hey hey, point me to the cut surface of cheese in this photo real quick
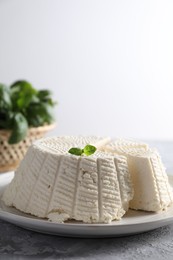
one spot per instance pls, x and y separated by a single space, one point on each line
51 183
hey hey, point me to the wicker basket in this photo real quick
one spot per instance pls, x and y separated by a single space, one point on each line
11 155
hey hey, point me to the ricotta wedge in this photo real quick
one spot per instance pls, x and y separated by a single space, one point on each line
152 191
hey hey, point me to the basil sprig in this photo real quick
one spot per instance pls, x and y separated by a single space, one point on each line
87 150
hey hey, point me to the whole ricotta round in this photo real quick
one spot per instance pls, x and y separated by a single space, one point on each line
51 183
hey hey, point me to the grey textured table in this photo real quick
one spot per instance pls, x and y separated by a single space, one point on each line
17 243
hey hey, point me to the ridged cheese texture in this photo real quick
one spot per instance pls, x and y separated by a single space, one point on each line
51 183
152 191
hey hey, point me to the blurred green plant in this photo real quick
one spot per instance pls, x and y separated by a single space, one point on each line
23 106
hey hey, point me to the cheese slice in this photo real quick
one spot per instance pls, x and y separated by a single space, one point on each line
51 183
152 191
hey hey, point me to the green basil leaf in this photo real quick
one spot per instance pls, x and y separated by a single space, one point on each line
48 113
6 117
35 115
22 94
5 100
20 128
34 100
89 149
76 151
3 120
44 94
39 113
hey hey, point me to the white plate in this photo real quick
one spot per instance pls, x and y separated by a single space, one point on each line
132 223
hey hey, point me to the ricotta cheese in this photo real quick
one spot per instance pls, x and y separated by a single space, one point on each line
51 183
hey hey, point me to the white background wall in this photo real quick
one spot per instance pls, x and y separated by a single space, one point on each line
108 62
